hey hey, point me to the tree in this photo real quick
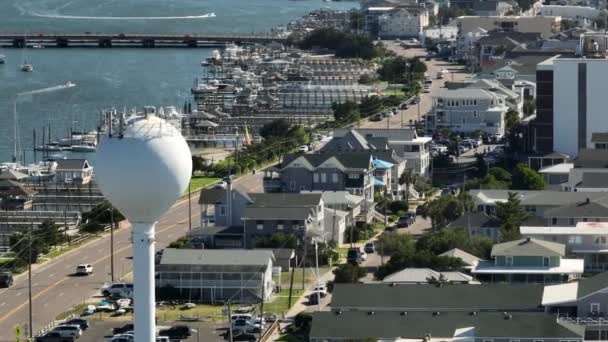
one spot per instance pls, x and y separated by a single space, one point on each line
443 210
457 237
348 273
50 232
278 240
511 215
529 105
198 164
20 245
346 112
392 243
407 177
482 165
419 259
525 178
511 119
344 44
500 174
275 128
301 135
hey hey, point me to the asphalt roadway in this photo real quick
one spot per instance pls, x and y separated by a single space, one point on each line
56 290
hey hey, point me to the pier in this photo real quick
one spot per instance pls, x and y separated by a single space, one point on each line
138 40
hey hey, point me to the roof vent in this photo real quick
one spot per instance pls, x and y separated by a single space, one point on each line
509 317
403 313
528 239
474 313
370 313
588 200
436 313
339 312
393 284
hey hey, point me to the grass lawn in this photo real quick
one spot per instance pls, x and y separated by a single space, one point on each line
394 91
197 183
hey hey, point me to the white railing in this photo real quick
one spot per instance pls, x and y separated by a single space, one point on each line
585 320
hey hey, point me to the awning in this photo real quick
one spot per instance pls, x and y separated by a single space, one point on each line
378 182
381 164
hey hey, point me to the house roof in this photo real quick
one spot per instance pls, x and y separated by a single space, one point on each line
276 213
9 187
12 175
592 158
422 275
216 257
594 180
468 259
338 197
593 284
396 134
475 220
588 207
467 93
529 197
416 297
581 228
599 137
562 168
350 160
359 325
278 200
494 86
571 292
71 164
280 253
529 247
211 195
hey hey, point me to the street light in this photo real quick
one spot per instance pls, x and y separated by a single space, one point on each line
32 92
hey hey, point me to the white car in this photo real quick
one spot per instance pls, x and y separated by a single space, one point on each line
363 256
68 330
321 289
304 148
117 289
84 269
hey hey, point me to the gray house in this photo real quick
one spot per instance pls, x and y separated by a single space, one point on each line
529 260
243 276
584 298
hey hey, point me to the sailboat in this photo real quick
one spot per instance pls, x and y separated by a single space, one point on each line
2 59
26 67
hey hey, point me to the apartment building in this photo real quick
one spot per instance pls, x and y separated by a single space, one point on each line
403 22
546 26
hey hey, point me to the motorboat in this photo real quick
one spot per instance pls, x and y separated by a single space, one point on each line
70 84
37 46
52 147
26 67
84 148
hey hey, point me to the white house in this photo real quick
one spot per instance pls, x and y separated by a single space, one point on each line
403 22
73 171
467 110
569 12
442 33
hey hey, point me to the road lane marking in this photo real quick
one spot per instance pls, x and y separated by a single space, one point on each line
18 294
60 294
51 275
2 304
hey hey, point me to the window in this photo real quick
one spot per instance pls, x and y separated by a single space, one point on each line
595 308
334 177
571 221
315 177
509 260
292 185
554 221
323 178
353 176
488 340
514 340
575 240
546 262
537 341
259 225
584 219
600 240
280 225
222 210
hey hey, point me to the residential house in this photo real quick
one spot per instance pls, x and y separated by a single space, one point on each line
73 171
467 110
285 258
599 141
586 298
382 174
425 276
15 196
438 34
589 209
590 169
440 326
570 12
479 224
469 260
403 22
343 201
14 175
215 276
328 171
556 175
587 241
492 8
529 261
404 141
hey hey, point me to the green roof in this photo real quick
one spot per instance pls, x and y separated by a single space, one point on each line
529 247
416 325
423 297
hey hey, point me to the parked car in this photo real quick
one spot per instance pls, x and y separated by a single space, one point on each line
6 279
404 222
84 269
241 336
117 289
123 329
321 288
427 58
177 332
353 256
404 105
53 336
390 229
369 247
68 330
303 148
122 338
376 117
83 323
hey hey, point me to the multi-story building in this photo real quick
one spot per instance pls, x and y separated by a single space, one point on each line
546 26
467 110
587 241
403 22
492 8
570 94
405 143
529 261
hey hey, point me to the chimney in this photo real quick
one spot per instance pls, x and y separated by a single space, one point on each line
229 200
587 200
528 239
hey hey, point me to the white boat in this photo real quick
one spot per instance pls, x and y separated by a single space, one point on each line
26 67
2 59
37 46
84 148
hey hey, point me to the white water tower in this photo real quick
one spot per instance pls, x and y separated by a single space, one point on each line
143 167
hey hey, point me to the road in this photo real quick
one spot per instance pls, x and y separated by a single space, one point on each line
408 116
55 290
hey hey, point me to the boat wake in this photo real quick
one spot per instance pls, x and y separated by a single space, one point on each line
61 16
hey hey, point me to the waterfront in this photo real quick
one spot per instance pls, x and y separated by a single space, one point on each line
116 77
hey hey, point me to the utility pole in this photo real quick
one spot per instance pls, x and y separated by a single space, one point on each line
112 243
304 264
29 281
229 322
317 270
261 305
293 272
189 209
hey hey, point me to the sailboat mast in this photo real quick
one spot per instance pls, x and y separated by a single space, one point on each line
15 131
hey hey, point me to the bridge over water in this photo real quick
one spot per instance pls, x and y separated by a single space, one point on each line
147 40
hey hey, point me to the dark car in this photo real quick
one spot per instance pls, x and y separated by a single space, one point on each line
427 58
390 229
6 279
177 332
370 247
54 336
83 323
353 256
123 329
404 222
376 117
404 106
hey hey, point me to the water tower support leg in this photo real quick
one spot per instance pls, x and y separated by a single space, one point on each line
143 276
